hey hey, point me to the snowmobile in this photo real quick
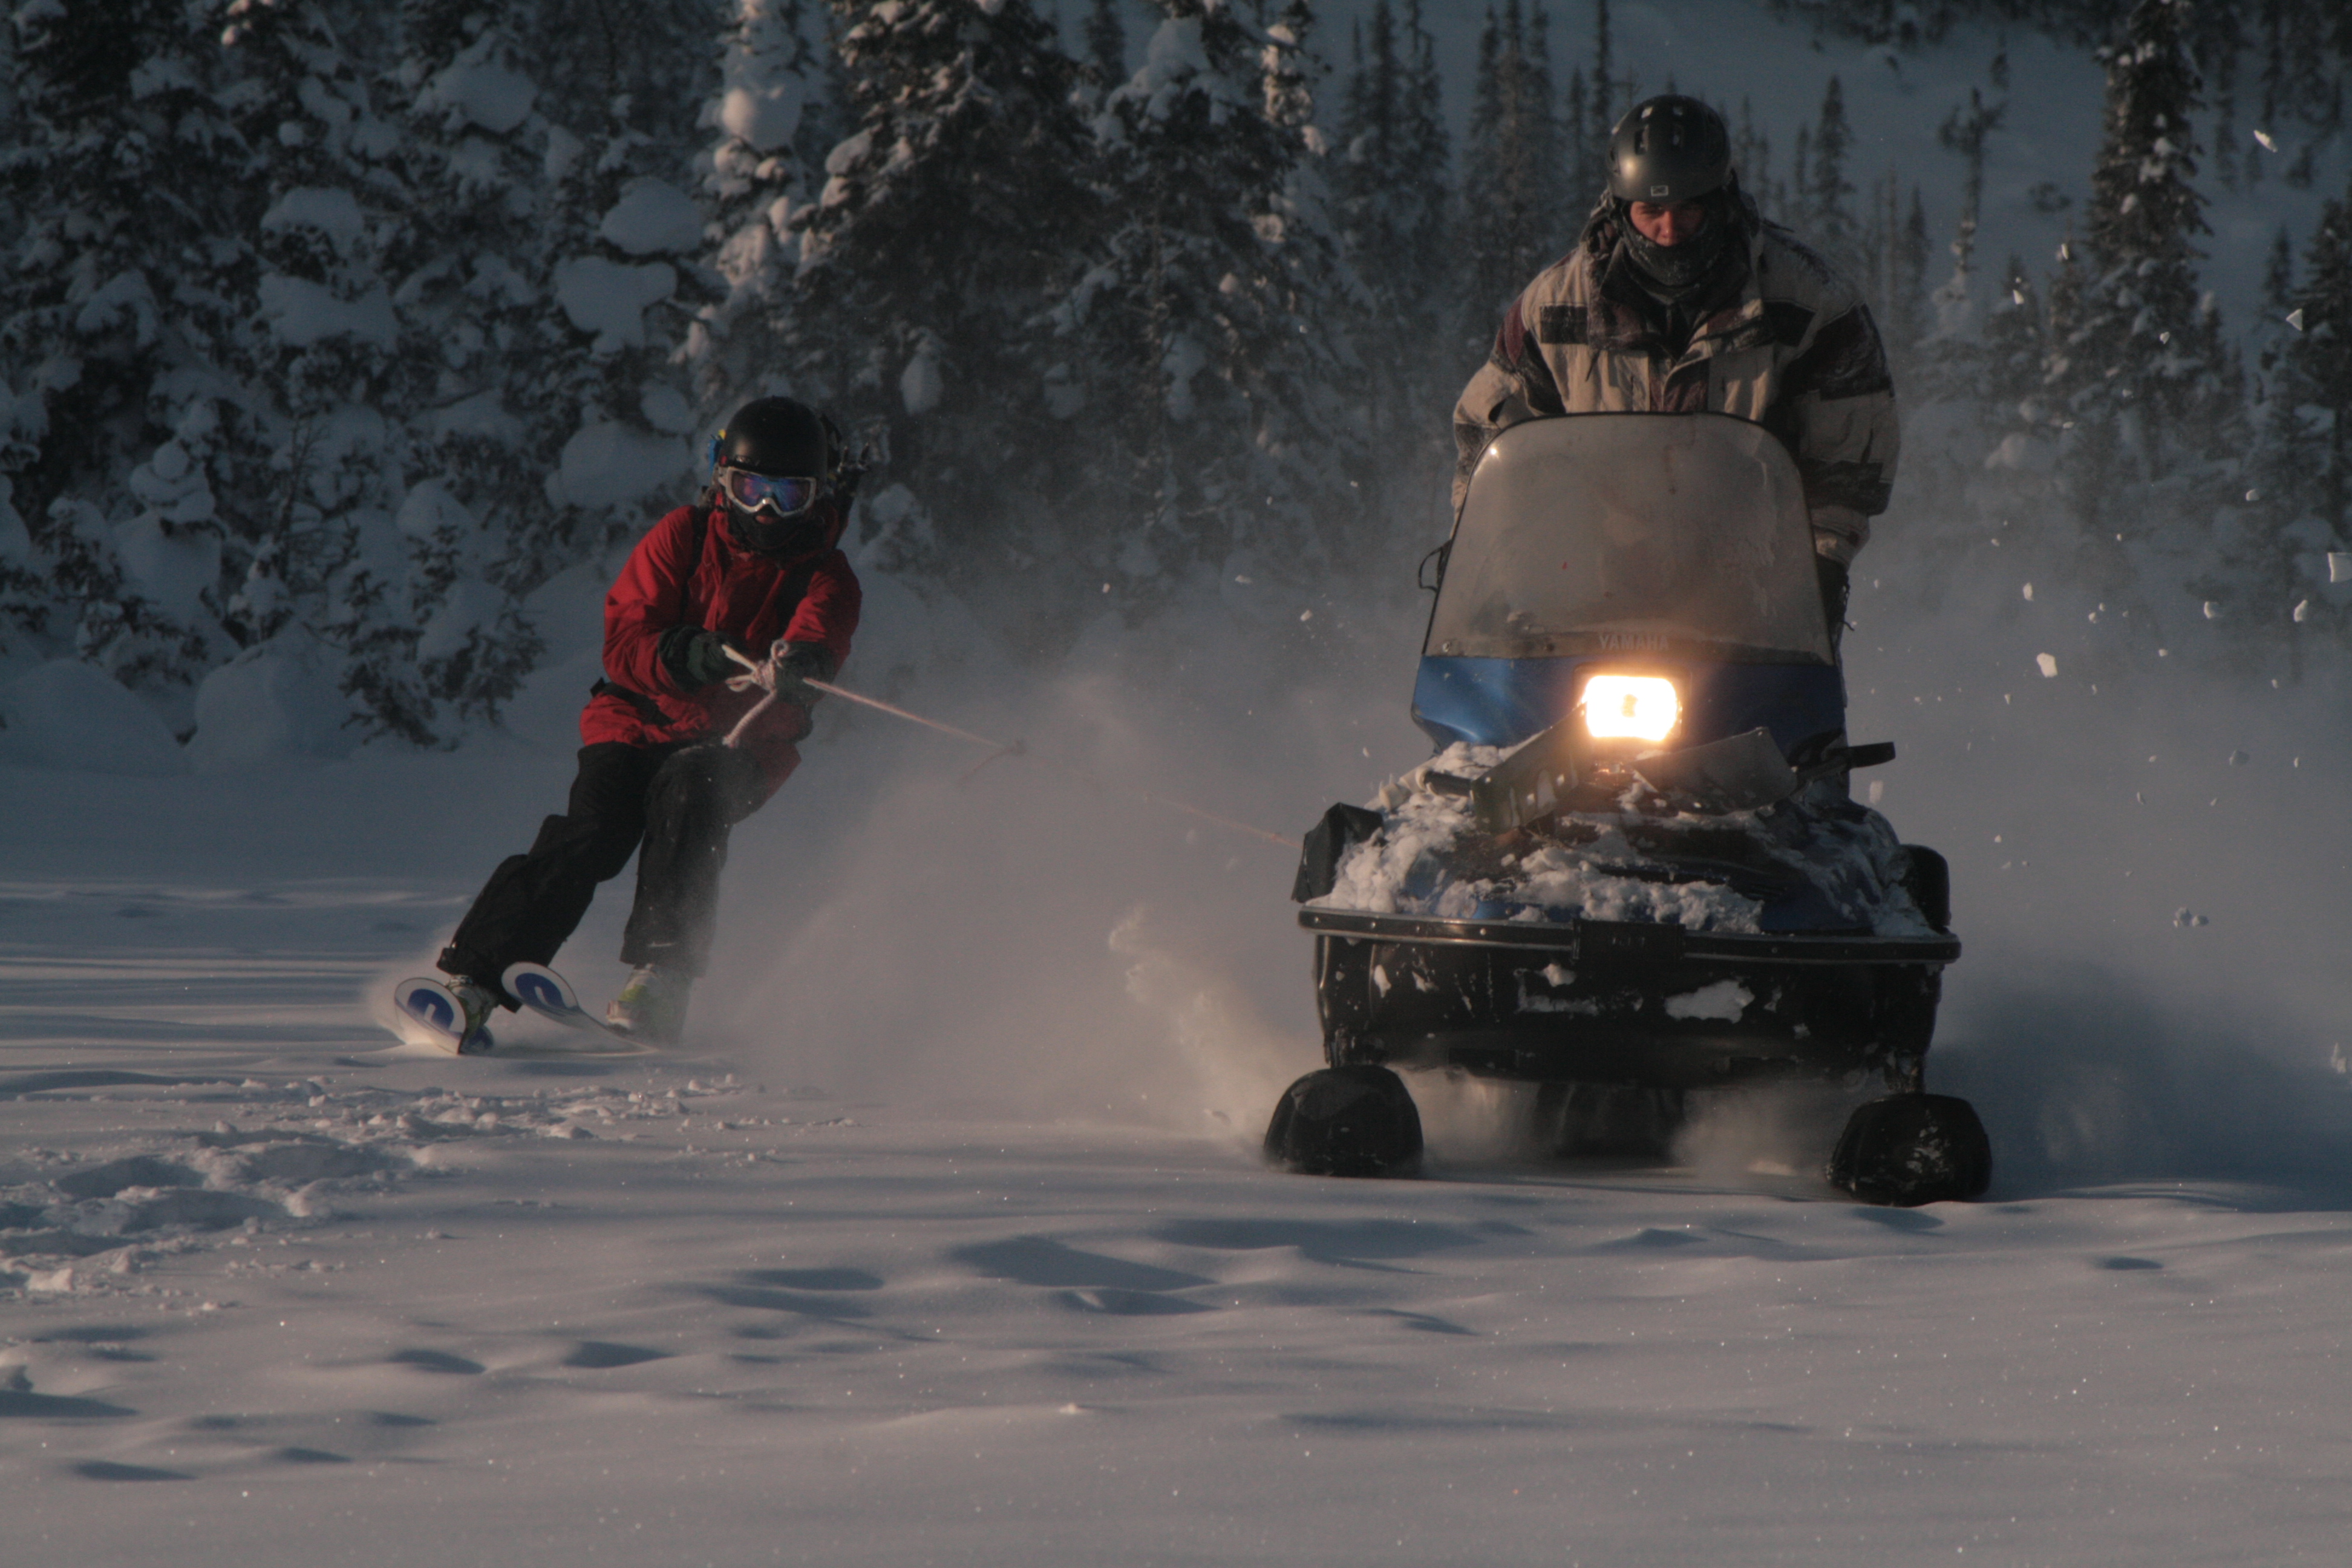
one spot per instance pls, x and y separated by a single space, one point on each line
1635 869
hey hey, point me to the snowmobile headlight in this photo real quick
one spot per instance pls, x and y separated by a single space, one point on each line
1631 708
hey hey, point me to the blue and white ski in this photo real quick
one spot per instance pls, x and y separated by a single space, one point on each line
435 1017
551 996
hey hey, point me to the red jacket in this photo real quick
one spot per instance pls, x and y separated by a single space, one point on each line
747 599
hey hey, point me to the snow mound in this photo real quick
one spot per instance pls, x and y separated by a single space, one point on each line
653 217
608 464
271 703
610 300
73 716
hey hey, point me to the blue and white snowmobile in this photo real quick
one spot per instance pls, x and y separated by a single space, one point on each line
1635 869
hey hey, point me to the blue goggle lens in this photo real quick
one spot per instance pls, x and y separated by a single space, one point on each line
757 492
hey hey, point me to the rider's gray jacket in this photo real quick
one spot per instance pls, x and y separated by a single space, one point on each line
1779 338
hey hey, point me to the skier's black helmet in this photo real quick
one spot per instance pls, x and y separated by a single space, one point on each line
1669 149
777 464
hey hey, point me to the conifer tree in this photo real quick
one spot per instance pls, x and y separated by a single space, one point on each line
1515 213
1106 44
1603 105
2145 351
1220 389
1830 218
951 223
120 267
1389 183
769 75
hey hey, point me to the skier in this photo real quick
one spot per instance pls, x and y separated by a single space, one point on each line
1679 298
742 594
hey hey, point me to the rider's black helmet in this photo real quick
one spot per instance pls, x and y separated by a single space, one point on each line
1669 149
776 438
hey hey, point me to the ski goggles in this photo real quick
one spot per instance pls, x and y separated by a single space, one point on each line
764 492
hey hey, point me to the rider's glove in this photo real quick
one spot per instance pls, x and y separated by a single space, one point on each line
797 663
695 657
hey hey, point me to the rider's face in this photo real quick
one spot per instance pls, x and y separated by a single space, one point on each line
1668 226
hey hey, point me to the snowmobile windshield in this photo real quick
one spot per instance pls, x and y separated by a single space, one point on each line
1667 534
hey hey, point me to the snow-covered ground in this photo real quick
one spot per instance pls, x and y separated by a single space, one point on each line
946 1240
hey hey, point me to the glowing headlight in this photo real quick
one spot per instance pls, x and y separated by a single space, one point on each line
1631 708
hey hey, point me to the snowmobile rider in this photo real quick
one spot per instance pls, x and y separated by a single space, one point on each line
669 762
1680 298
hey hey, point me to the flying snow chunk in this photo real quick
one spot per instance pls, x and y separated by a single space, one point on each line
2186 918
653 217
2269 143
2294 318
2029 592
921 384
2047 663
1722 1002
2339 566
2213 610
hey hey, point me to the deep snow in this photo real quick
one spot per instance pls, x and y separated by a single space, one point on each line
946 1240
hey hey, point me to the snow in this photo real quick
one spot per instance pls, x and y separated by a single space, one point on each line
959 1249
945 1239
483 93
332 212
68 715
270 704
301 313
653 217
608 464
610 300
168 569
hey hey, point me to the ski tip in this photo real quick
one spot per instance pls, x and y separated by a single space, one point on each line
541 988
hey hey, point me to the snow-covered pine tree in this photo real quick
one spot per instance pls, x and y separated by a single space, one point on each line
1601 109
755 177
954 219
1106 44
1830 216
2145 355
312 539
1388 179
1964 132
1514 206
2304 466
119 283
1226 402
625 83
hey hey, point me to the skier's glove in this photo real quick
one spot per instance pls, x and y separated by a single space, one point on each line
798 663
695 657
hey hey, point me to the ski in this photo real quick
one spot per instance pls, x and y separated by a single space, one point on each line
551 996
437 1018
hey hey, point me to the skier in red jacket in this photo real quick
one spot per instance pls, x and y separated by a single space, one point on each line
669 764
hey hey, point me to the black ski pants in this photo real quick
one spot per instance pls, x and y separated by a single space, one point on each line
673 806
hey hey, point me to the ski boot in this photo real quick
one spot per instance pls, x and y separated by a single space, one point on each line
479 1002
651 1005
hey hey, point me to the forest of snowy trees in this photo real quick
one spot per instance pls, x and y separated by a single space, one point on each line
332 328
